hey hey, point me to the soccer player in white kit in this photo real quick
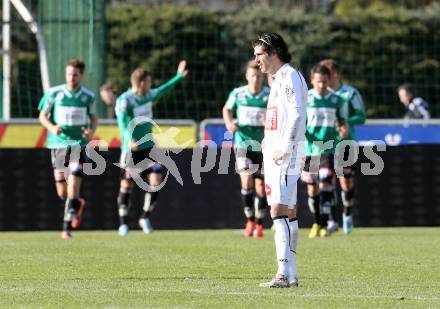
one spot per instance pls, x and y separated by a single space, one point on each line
283 150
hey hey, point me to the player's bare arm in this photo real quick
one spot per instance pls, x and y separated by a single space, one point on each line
90 131
45 121
230 124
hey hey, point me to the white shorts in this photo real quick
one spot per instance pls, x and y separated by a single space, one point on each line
281 180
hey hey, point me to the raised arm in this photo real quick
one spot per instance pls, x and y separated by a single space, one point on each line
182 72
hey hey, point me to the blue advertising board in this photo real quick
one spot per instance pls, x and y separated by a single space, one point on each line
393 133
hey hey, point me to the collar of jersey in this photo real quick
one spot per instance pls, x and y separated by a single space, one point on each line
140 97
321 97
280 69
257 95
71 94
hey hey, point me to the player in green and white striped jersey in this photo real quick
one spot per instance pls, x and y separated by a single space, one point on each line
323 112
354 112
249 103
133 104
68 113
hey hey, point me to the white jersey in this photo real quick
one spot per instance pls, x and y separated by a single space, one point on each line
285 124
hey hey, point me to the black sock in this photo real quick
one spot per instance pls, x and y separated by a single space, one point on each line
71 207
146 214
333 212
314 204
66 225
123 204
122 218
247 197
347 201
260 208
326 200
149 204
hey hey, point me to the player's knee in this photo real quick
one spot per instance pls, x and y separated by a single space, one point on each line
242 165
76 169
325 175
62 195
291 213
157 168
156 175
127 184
278 211
348 172
309 178
246 181
59 176
312 189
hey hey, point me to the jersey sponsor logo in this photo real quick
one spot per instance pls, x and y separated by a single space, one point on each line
71 115
143 110
271 118
321 117
290 94
251 116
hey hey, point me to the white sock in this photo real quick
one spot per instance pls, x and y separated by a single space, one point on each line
293 225
282 235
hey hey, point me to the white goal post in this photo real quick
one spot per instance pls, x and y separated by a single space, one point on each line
6 46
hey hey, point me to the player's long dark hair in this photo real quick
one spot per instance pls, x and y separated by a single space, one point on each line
273 42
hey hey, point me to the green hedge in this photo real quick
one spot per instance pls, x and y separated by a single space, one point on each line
376 52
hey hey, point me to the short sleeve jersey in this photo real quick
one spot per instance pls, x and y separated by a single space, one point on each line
250 110
353 109
135 113
71 110
322 113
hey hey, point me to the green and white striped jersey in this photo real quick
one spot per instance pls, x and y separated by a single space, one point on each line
71 110
322 113
353 109
250 110
129 106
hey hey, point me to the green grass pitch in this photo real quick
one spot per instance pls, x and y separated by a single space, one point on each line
372 268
